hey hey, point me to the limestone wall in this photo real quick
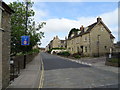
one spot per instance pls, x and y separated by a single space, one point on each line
5 48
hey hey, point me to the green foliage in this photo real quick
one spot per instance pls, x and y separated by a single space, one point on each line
29 52
65 53
114 60
18 27
72 30
76 55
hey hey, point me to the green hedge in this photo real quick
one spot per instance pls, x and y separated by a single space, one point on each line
65 53
30 52
114 60
76 55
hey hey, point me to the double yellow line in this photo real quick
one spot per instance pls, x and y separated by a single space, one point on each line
42 75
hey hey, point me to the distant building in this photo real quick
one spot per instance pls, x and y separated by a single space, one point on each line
56 43
35 47
5 12
117 47
93 40
42 49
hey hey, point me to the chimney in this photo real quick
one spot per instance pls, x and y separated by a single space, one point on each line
82 28
56 37
65 38
99 19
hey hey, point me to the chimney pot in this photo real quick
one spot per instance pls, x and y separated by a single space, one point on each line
81 28
99 19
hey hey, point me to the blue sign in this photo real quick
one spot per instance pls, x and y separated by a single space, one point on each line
25 40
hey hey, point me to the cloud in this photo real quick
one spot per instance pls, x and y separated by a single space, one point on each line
8 1
111 18
39 14
75 0
62 26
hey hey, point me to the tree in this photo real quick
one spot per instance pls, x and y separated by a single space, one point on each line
18 27
73 30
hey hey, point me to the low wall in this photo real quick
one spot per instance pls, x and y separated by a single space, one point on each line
19 60
112 64
19 64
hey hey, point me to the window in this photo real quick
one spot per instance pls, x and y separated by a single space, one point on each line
85 49
101 28
78 49
85 39
105 47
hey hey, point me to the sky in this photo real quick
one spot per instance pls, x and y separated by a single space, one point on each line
62 16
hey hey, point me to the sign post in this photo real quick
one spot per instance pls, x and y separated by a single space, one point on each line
25 40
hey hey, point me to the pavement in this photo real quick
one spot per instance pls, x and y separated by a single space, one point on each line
30 76
65 73
98 62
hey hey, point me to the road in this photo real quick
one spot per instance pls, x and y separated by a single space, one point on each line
61 73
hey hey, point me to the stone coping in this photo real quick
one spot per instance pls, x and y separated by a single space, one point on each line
1 29
1 8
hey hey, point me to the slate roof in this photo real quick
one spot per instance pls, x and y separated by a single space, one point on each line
7 8
90 27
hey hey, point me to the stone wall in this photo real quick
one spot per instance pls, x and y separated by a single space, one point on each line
5 48
105 42
0 58
0 48
20 60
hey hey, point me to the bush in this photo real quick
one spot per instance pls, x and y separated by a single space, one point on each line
76 55
114 60
65 53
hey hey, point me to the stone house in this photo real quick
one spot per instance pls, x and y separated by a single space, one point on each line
117 47
5 12
93 40
56 43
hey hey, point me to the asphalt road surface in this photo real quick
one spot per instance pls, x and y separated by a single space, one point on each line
61 73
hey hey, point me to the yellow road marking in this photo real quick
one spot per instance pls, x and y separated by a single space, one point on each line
42 75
